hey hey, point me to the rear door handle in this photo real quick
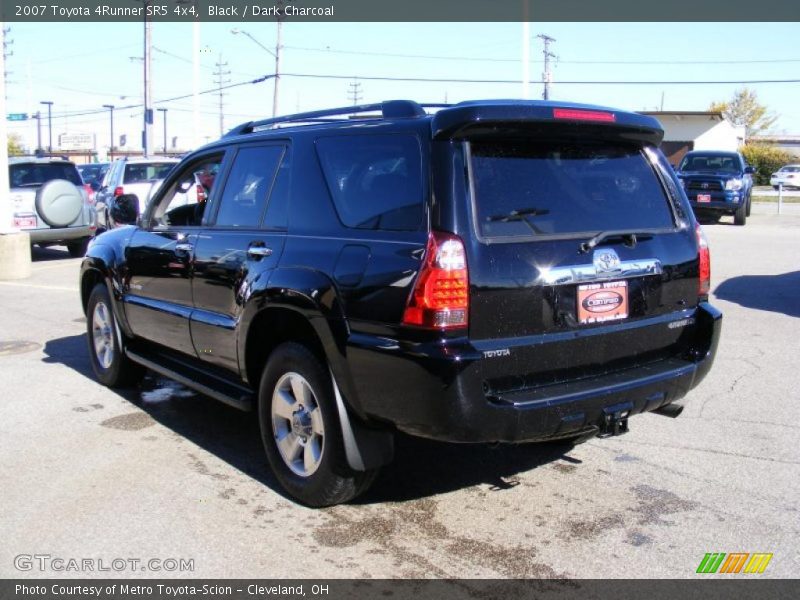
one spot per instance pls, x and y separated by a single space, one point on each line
259 251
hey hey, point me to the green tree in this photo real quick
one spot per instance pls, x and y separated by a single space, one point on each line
766 159
745 109
15 147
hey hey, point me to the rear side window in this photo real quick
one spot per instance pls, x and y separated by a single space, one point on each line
248 186
555 188
375 180
135 173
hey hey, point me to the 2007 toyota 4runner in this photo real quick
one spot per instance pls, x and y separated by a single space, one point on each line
494 271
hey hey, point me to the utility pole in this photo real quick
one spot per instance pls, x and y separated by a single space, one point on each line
547 76
147 133
279 22
220 81
164 110
110 107
354 93
526 51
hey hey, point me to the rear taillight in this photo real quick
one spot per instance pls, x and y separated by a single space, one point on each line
704 285
118 191
440 299
89 193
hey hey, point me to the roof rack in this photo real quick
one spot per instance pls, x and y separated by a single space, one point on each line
390 109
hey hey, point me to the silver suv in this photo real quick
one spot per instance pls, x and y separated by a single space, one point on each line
49 201
138 176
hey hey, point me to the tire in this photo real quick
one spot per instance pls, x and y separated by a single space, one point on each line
301 432
749 206
740 216
78 249
109 363
775 187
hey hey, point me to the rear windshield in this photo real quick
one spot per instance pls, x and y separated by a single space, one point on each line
555 188
92 173
696 162
33 174
146 171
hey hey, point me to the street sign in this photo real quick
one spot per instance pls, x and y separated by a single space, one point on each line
17 116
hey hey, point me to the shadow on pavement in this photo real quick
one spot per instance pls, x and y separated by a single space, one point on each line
421 467
775 293
50 253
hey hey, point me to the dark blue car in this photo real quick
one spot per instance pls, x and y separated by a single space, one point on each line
717 183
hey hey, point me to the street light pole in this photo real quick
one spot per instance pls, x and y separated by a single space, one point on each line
276 54
38 117
49 124
164 110
110 107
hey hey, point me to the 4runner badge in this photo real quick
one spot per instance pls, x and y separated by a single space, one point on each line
605 260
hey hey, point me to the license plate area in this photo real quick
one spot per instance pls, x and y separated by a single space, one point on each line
600 302
704 197
25 221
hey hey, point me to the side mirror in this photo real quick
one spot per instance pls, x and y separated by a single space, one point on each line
125 209
748 170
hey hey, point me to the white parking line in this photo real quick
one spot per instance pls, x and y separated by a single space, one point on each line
41 287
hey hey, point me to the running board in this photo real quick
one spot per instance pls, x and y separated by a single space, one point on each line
201 381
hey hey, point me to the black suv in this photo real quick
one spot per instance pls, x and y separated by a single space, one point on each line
495 271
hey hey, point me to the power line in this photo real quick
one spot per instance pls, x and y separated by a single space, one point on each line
328 50
516 81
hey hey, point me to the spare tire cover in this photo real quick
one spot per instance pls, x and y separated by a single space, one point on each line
59 202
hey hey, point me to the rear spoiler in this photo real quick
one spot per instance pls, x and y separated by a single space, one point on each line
515 118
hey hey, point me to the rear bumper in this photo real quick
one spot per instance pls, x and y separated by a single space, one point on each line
439 392
61 234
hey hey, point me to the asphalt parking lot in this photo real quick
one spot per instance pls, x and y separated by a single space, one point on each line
160 472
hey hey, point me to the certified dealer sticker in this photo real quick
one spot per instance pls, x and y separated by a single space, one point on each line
598 302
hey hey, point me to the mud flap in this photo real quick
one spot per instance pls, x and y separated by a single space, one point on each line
365 448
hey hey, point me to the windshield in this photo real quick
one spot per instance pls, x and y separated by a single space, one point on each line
33 174
139 172
713 162
791 169
543 188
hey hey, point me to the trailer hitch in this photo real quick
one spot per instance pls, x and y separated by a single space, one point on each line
615 420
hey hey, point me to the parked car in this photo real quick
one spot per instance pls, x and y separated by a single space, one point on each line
93 174
497 271
48 201
137 176
787 176
717 184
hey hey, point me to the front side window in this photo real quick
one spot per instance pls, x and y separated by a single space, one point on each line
185 202
375 180
544 188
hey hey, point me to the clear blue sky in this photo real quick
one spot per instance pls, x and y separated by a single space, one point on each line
82 66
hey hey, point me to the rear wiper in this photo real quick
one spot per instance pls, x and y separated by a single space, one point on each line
629 237
521 214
